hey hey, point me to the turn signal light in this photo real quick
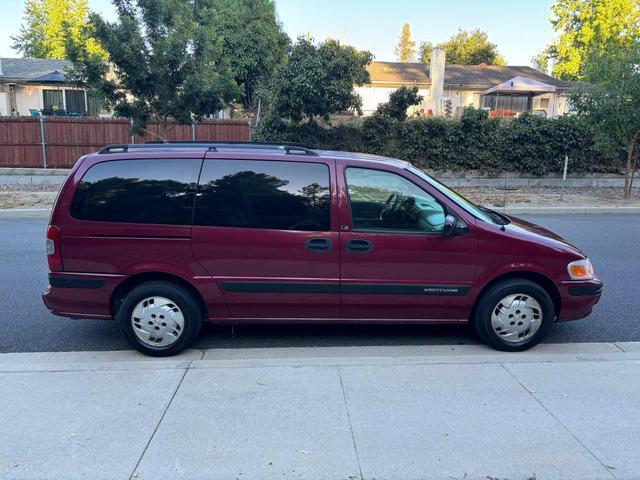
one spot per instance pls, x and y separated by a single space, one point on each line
580 270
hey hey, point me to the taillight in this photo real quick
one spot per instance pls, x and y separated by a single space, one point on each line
53 248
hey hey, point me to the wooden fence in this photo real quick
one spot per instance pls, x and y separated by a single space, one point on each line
66 139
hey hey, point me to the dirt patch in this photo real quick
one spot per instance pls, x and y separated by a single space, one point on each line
42 196
550 196
27 199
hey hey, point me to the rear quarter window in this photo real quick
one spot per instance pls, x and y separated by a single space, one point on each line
157 191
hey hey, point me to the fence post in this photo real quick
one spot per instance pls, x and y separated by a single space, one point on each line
133 139
193 131
42 140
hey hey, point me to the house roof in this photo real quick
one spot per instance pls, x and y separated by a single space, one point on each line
53 77
521 85
469 76
25 69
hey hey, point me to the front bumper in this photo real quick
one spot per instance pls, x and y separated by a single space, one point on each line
578 298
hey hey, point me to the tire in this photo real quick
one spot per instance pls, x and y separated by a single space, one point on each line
166 314
506 309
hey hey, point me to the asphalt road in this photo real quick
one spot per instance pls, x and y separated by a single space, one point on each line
612 242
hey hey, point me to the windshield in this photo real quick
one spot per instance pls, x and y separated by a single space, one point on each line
477 211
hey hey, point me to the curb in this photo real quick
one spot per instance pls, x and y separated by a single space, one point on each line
55 176
318 356
25 212
567 210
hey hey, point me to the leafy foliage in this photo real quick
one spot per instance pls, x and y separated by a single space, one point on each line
317 81
399 102
527 144
610 103
406 48
253 42
591 27
164 62
49 25
541 62
465 48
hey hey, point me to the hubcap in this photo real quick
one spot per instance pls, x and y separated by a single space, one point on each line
157 321
516 317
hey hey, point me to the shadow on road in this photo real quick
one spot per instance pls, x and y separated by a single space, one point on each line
263 336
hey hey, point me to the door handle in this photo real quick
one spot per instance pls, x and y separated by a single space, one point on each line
318 244
361 246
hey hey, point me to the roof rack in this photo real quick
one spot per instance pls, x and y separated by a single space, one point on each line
289 149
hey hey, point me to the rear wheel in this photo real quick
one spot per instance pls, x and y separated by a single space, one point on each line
160 318
514 315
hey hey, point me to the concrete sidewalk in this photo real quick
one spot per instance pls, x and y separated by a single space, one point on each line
566 411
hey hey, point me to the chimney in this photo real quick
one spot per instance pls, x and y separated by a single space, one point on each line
436 74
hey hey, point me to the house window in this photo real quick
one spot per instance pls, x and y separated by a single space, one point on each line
52 99
75 101
94 105
514 103
544 103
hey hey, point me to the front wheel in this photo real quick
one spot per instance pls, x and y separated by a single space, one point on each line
159 318
514 315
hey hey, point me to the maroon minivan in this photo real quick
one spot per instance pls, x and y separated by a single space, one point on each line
162 237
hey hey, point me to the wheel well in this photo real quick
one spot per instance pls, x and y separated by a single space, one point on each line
542 280
134 280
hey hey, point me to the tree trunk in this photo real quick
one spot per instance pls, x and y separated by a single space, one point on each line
631 165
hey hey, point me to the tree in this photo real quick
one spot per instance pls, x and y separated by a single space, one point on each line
610 102
253 41
399 102
318 80
406 48
424 52
590 27
541 62
49 25
466 48
163 62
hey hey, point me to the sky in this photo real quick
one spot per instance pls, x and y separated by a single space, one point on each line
520 28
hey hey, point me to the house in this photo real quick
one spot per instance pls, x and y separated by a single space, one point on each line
447 89
32 85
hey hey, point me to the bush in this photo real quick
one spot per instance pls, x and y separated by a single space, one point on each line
526 144
399 102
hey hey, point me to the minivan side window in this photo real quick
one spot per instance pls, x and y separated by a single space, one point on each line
138 191
264 194
383 200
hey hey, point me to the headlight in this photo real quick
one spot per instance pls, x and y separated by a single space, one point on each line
580 270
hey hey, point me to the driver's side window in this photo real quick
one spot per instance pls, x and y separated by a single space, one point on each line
386 201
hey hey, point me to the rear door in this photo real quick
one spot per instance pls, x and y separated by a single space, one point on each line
396 263
266 229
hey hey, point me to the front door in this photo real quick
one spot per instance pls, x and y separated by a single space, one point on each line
396 262
266 230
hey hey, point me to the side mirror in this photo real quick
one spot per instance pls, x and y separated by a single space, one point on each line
454 227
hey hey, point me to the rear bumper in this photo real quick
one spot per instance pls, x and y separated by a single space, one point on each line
579 298
78 295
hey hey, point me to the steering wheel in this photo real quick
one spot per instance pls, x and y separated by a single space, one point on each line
389 206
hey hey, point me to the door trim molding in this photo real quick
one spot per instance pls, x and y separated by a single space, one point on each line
345 288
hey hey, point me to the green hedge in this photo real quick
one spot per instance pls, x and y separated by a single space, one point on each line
527 144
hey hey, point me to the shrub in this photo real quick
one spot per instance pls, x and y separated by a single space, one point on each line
526 144
399 102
